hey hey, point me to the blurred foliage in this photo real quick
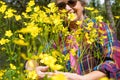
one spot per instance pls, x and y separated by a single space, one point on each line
115 9
116 13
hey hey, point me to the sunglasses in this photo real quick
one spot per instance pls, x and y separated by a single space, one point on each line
71 3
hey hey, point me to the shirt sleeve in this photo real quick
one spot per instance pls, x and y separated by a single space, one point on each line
111 50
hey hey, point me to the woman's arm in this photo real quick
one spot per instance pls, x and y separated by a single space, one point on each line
94 75
111 53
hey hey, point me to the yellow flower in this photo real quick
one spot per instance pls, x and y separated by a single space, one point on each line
4 41
87 36
21 36
35 31
59 77
24 56
79 22
55 53
41 55
95 11
56 20
89 39
34 17
99 18
12 66
9 13
89 8
36 8
63 11
31 3
92 40
28 9
31 28
69 41
65 31
89 42
101 31
78 31
20 42
1 74
17 17
104 78
73 52
8 33
35 57
32 75
117 17
3 8
52 7
102 38
25 15
71 16
90 24
2 2
48 60
67 57
56 67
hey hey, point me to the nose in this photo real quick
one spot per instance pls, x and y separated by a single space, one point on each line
69 9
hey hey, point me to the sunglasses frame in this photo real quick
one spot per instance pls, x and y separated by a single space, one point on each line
71 3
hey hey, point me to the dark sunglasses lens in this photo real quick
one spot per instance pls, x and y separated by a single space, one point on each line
61 5
72 3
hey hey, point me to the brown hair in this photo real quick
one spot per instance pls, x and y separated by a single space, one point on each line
84 2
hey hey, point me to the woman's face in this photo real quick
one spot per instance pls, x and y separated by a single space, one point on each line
72 6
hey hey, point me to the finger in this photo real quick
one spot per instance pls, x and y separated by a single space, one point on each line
42 68
40 74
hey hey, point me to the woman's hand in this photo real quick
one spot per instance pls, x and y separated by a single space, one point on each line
94 75
41 71
68 75
33 65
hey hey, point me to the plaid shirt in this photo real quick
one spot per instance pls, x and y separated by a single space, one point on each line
111 52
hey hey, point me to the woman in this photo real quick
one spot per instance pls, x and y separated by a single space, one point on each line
108 68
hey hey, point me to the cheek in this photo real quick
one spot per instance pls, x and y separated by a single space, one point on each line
78 7
78 13
78 10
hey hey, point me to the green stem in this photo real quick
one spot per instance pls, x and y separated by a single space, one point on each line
19 51
83 52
